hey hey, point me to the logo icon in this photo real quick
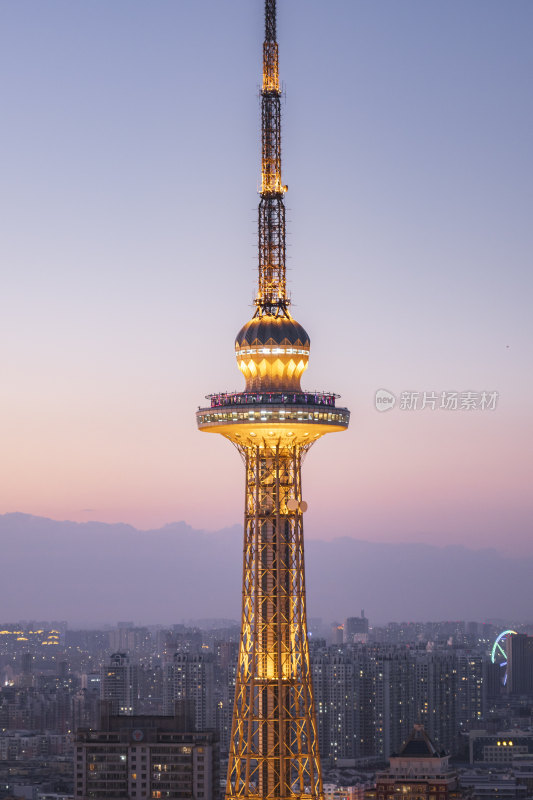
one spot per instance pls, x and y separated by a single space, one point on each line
384 400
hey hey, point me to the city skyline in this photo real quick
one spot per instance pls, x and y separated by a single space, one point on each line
130 185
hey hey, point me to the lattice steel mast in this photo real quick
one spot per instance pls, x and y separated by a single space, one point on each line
272 294
274 747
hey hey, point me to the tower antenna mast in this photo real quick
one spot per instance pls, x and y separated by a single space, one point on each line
272 291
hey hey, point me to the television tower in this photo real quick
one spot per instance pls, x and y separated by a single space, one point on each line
274 746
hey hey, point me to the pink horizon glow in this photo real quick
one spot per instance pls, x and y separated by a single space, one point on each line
129 253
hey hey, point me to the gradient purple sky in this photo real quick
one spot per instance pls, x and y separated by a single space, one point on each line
130 142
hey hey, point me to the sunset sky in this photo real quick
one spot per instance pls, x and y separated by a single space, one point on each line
130 166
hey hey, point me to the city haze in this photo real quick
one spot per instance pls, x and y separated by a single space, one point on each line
94 573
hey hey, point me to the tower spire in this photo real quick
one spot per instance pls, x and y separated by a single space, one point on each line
272 291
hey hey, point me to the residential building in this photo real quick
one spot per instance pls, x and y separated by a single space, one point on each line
140 757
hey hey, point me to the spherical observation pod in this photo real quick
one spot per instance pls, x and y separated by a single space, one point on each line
272 352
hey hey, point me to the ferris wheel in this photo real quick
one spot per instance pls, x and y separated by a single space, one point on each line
500 648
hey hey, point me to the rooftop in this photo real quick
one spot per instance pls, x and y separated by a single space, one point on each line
419 745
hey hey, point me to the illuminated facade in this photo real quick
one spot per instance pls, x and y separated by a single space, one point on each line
418 772
145 757
273 423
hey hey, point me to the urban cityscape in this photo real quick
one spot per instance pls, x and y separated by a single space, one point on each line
66 694
125 670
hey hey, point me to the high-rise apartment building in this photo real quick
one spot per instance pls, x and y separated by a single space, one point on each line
190 679
119 683
355 629
520 664
335 697
26 677
226 676
471 688
369 698
127 638
436 696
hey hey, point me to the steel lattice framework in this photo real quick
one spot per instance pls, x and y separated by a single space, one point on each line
274 750
274 744
272 294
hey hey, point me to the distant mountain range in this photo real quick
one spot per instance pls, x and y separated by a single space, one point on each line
91 573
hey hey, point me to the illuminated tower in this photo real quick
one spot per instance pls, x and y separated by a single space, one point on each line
274 747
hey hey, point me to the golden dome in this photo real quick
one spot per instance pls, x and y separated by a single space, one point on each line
272 353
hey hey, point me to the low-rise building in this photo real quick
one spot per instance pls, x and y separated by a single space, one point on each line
499 748
418 772
332 791
484 785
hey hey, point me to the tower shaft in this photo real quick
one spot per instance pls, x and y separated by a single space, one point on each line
272 292
274 747
273 422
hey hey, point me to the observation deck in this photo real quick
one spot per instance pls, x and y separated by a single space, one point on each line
248 418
